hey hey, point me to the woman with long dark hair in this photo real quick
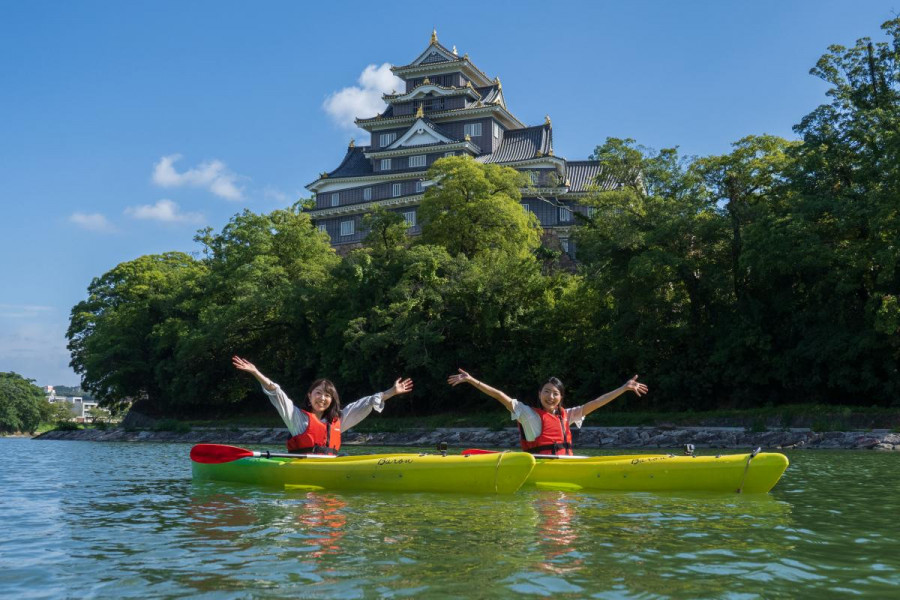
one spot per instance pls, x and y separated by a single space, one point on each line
545 429
316 428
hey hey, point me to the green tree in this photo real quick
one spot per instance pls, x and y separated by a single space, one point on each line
114 335
259 297
845 271
22 404
386 231
657 251
750 183
473 208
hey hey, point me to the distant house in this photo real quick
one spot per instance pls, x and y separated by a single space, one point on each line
80 408
449 107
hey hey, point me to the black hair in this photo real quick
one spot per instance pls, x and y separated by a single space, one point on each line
334 409
558 385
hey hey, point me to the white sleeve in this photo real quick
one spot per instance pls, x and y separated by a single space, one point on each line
527 418
355 412
295 420
576 416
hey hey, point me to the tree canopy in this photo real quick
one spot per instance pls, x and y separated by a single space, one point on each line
22 404
768 274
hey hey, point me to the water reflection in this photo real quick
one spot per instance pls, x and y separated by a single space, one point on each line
555 514
125 521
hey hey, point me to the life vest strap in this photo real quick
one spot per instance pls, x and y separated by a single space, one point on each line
555 447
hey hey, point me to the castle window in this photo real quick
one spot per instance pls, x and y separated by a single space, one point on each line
534 175
397 190
386 139
385 164
564 214
527 208
592 211
417 161
410 218
367 193
564 242
496 131
321 227
348 228
420 187
434 104
446 154
472 129
335 199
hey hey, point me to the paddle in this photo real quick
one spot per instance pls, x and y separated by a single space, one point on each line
220 453
472 451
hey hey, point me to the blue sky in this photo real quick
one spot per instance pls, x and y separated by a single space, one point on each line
126 126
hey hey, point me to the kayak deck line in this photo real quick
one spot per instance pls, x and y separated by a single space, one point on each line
503 473
757 472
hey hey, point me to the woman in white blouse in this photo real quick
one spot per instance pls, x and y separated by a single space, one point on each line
545 429
316 428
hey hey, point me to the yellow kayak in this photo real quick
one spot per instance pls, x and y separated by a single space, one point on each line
501 473
757 472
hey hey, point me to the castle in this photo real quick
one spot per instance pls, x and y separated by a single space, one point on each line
449 107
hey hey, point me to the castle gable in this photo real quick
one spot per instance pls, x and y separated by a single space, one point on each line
422 133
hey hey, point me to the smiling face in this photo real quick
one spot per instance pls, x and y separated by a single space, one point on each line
551 396
319 399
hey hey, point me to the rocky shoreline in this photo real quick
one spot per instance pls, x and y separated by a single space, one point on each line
587 437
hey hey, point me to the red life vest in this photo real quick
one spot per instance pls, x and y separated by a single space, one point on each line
319 438
555 437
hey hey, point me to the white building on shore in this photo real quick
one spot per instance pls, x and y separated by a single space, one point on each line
80 408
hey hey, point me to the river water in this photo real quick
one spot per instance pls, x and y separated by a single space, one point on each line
93 520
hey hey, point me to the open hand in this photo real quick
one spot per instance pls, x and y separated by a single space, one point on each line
243 365
461 377
638 388
402 386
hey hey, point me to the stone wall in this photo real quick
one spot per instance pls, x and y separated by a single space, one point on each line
647 438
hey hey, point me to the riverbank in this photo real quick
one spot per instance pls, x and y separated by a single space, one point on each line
466 437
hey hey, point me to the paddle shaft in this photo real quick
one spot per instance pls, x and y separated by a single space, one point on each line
221 453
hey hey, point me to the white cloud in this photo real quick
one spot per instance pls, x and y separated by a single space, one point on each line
165 211
362 101
92 222
23 311
273 193
212 175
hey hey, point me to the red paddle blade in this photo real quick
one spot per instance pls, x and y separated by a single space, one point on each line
217 453
477 451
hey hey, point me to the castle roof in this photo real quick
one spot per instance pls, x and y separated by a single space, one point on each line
355 164
522 144
585 175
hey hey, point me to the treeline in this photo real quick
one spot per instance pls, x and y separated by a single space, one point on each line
767 275
23 406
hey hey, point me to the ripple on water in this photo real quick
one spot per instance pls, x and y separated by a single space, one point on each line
125 521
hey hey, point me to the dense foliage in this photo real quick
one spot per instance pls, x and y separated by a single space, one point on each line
767 275
22 404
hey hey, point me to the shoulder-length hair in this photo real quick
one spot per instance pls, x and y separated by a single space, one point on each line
334 409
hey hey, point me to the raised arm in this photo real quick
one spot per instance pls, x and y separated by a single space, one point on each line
401 386
248 367
463 377
631 385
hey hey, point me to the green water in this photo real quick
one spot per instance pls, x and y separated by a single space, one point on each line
88 520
